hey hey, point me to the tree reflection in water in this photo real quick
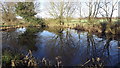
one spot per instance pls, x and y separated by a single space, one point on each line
28 38
74 48
68 45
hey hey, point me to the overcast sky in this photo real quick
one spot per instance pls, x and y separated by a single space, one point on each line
45 3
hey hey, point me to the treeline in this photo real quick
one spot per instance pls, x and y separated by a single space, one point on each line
59 11
91 10
24 9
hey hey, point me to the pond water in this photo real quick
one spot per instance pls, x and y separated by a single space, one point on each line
73 46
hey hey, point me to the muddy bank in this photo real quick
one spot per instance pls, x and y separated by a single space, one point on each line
7 28
102 28
99 28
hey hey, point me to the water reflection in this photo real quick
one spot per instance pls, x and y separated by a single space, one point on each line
21 30
21 39
74 48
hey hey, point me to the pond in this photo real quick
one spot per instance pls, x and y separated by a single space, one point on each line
74 47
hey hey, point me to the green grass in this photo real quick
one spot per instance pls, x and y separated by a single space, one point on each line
4 25
85 20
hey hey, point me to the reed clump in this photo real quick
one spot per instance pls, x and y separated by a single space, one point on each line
30 61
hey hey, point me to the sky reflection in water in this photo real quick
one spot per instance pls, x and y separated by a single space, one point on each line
74 47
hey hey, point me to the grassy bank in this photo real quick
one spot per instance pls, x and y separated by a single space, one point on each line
17 24
99 26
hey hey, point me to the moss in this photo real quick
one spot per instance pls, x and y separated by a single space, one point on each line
9 55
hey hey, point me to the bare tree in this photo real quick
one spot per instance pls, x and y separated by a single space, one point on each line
70 9
107 9
56 10
60 10
8 14
79 8
93 7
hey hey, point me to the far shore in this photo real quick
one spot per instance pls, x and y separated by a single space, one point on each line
93 28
